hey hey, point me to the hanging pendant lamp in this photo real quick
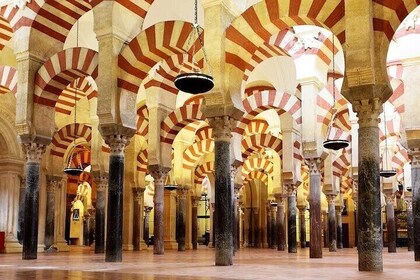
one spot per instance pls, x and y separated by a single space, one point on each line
334 144
195 82
386 173
78 169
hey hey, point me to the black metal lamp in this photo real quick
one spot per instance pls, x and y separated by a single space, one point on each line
195 82
334 144
78 169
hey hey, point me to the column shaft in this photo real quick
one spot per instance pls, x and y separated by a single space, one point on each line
332 227
315 208
339 228
281 236
180 230
30 225
410 220
137 217
370 242
194 222
302 221
273 226
390 225
415 181
291 220
100 217
49 221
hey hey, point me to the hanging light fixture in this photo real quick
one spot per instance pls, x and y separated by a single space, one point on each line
386 173
195 82
78 169
334 144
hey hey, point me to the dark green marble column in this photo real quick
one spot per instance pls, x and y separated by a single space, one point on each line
34 153
223 191
114 226
370 241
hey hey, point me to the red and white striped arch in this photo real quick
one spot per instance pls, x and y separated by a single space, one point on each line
399 159
8 79
342 163
393 128
257 142
83 157
65 102
157 43
256 175
142 161
395 74
255 89
346 184
194 152
256 126
389 14
258 23
202 171
252 164
62 69
65 136
206 132
197 99
270 99
142 120
6 31
179 119
165 74
297 151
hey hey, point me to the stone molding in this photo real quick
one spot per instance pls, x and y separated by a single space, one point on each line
222 127
33 151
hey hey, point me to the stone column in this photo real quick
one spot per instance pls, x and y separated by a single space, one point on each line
339 210
235 224
410 220
273 225
52 185
180 230
268 224
33 153
212 226
324 215
332 227
194 221
159 173
147 210
138 194
281 236
22 190
291 217
415 182
222 127
101 182
302 212
114 226
390 223
370 241
315 207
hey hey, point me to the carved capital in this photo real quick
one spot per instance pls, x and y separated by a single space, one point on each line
33 151
302 210
368 111
182 193
53 183
195 200
331 199
389 198
159 173
314 165
414 155
222 127
409 203
101 180
290 189
117 143
138 194
280 199
147 210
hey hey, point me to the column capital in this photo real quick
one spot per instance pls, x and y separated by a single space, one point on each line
331 199
290 188
414 155
280 199
195 200
222 127
147 210
389 198
314 165
159 173
182 193
33 151
339 209
302 209
117 143
368 111
101 180
138 193
409 203
53 183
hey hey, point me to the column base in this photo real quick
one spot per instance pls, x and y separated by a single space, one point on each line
12 246
143 245
170 245
127 247
62 246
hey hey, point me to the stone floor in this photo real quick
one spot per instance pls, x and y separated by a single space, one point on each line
248 264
